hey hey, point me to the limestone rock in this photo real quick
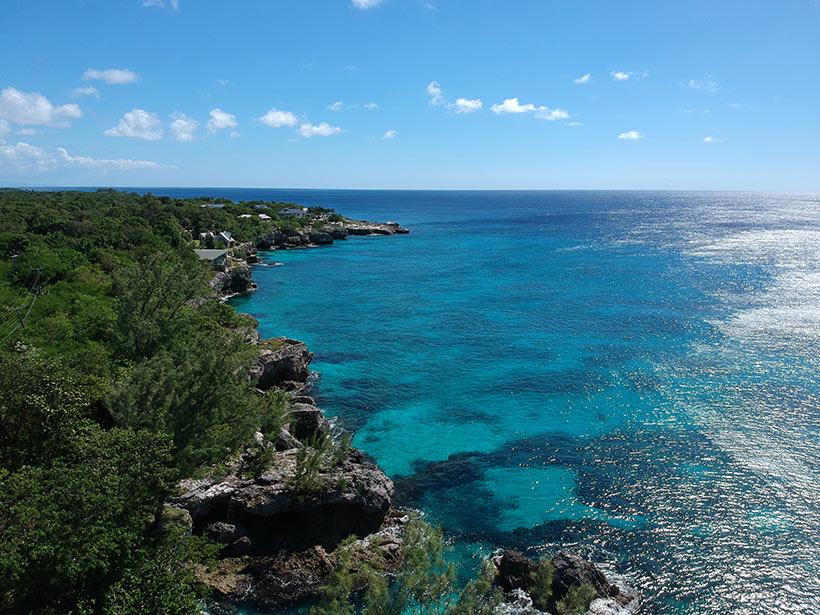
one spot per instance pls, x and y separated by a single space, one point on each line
307 421
320 238
224 531
515 569
235 280
282 362
571 569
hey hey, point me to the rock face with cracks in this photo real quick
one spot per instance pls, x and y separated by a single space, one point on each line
283 363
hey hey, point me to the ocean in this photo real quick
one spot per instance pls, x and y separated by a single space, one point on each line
632 374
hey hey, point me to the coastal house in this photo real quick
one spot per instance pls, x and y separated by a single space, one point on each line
245 216
293 212
218 258
225 239
264 217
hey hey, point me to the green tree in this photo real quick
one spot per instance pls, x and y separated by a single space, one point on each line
576 601
542 579
425 584
67 527
160 580
197 392
153 300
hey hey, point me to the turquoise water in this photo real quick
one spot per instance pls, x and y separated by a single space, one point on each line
632 373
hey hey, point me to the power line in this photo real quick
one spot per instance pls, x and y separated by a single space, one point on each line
21 312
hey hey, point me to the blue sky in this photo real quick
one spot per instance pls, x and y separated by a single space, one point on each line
472 94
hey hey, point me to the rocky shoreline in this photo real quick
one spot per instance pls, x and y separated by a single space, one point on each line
283 508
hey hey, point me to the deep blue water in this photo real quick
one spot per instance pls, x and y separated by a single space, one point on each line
632 373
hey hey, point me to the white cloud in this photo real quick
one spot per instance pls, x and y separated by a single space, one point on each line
737 105
389 135
371 106
511 105
5 128
324 129
161 3
436 98
112 75
220 119
620 76
707 85
583 79
545 113
224 82
575 124
27 132
465 105
18 107
120 164
337 106
276 118
711 139
183 127
26 157
89 91
631 135
139 124
235 134
366 4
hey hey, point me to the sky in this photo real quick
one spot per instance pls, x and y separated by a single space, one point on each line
411 94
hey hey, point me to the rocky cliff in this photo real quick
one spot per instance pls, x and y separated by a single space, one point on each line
283 240
234 281
283 507
282 363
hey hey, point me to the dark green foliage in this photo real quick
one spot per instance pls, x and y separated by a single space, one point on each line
161 580
76 499
309 460
197 392
126 376
542 579
576 601
335 593
152 300
425 583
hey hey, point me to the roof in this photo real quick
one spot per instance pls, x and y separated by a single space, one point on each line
293 210
210 255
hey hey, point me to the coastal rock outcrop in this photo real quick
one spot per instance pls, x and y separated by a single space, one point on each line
516 577
360 227
515 570
283 363
307 421
234 281
280 528
324 235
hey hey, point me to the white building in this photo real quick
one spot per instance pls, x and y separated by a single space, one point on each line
264 217
293 212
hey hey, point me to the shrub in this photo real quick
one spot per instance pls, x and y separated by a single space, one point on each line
576 601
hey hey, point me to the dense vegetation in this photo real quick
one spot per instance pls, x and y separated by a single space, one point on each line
119 374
